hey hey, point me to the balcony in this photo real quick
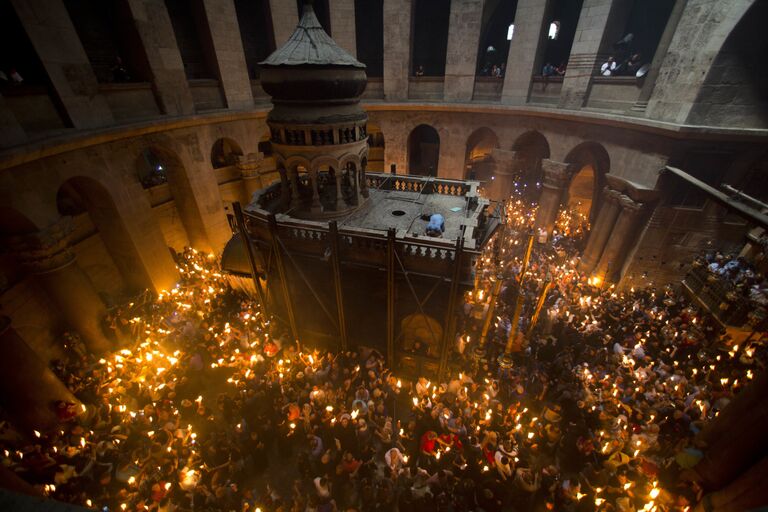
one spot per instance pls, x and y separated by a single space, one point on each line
719 296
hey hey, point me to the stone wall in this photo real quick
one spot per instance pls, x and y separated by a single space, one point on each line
190 209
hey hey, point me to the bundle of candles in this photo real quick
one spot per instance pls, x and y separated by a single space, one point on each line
205 393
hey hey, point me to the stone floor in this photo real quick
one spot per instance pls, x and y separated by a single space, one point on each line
404 210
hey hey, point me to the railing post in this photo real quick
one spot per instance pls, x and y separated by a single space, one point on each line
240 220
390 297
333 238
450 320
283 277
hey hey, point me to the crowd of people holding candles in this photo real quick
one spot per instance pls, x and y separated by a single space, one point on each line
208 406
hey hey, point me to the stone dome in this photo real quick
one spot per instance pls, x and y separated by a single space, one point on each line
311 67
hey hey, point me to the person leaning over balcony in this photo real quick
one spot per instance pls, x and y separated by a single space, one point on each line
608 67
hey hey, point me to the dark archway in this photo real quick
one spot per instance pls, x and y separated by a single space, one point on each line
581 191
591 164
225 152
478 162
531 148
375 149
423 151
167 162
81 195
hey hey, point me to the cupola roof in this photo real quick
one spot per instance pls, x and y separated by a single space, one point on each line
309 45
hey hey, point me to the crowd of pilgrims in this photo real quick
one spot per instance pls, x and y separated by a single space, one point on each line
207 406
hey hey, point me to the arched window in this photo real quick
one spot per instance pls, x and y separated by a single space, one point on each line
423 151
554 29
225 152
151 170
430 37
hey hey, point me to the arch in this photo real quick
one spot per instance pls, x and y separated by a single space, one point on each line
294 162
150 169
225 152
478 161
675 93
531 147
13 223
350 159
327 161
590 165
265 143
85 195
181 190
734 79
423 151
376 148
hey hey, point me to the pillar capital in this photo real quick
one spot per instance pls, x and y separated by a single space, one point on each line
629 207
250 165
45 250
506 160
556 174
611 195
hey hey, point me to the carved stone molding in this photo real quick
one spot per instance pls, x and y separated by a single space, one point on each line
250 165
45 250
556 174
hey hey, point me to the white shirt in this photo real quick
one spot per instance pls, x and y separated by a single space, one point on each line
607 68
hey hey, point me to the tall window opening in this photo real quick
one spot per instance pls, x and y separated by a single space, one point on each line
110 40
498 30
369 35
255 21
430 37
190 27
563 19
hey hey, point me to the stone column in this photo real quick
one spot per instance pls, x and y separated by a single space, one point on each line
600 21
339 194
28 388
285 17
285 188
356 174
506 164
293 176
343 24
250 171
228 49
620 240
58 46
601 230
397 49
524 50
313 177
461 57
556 176
11 132
364 184
46 255
169 80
